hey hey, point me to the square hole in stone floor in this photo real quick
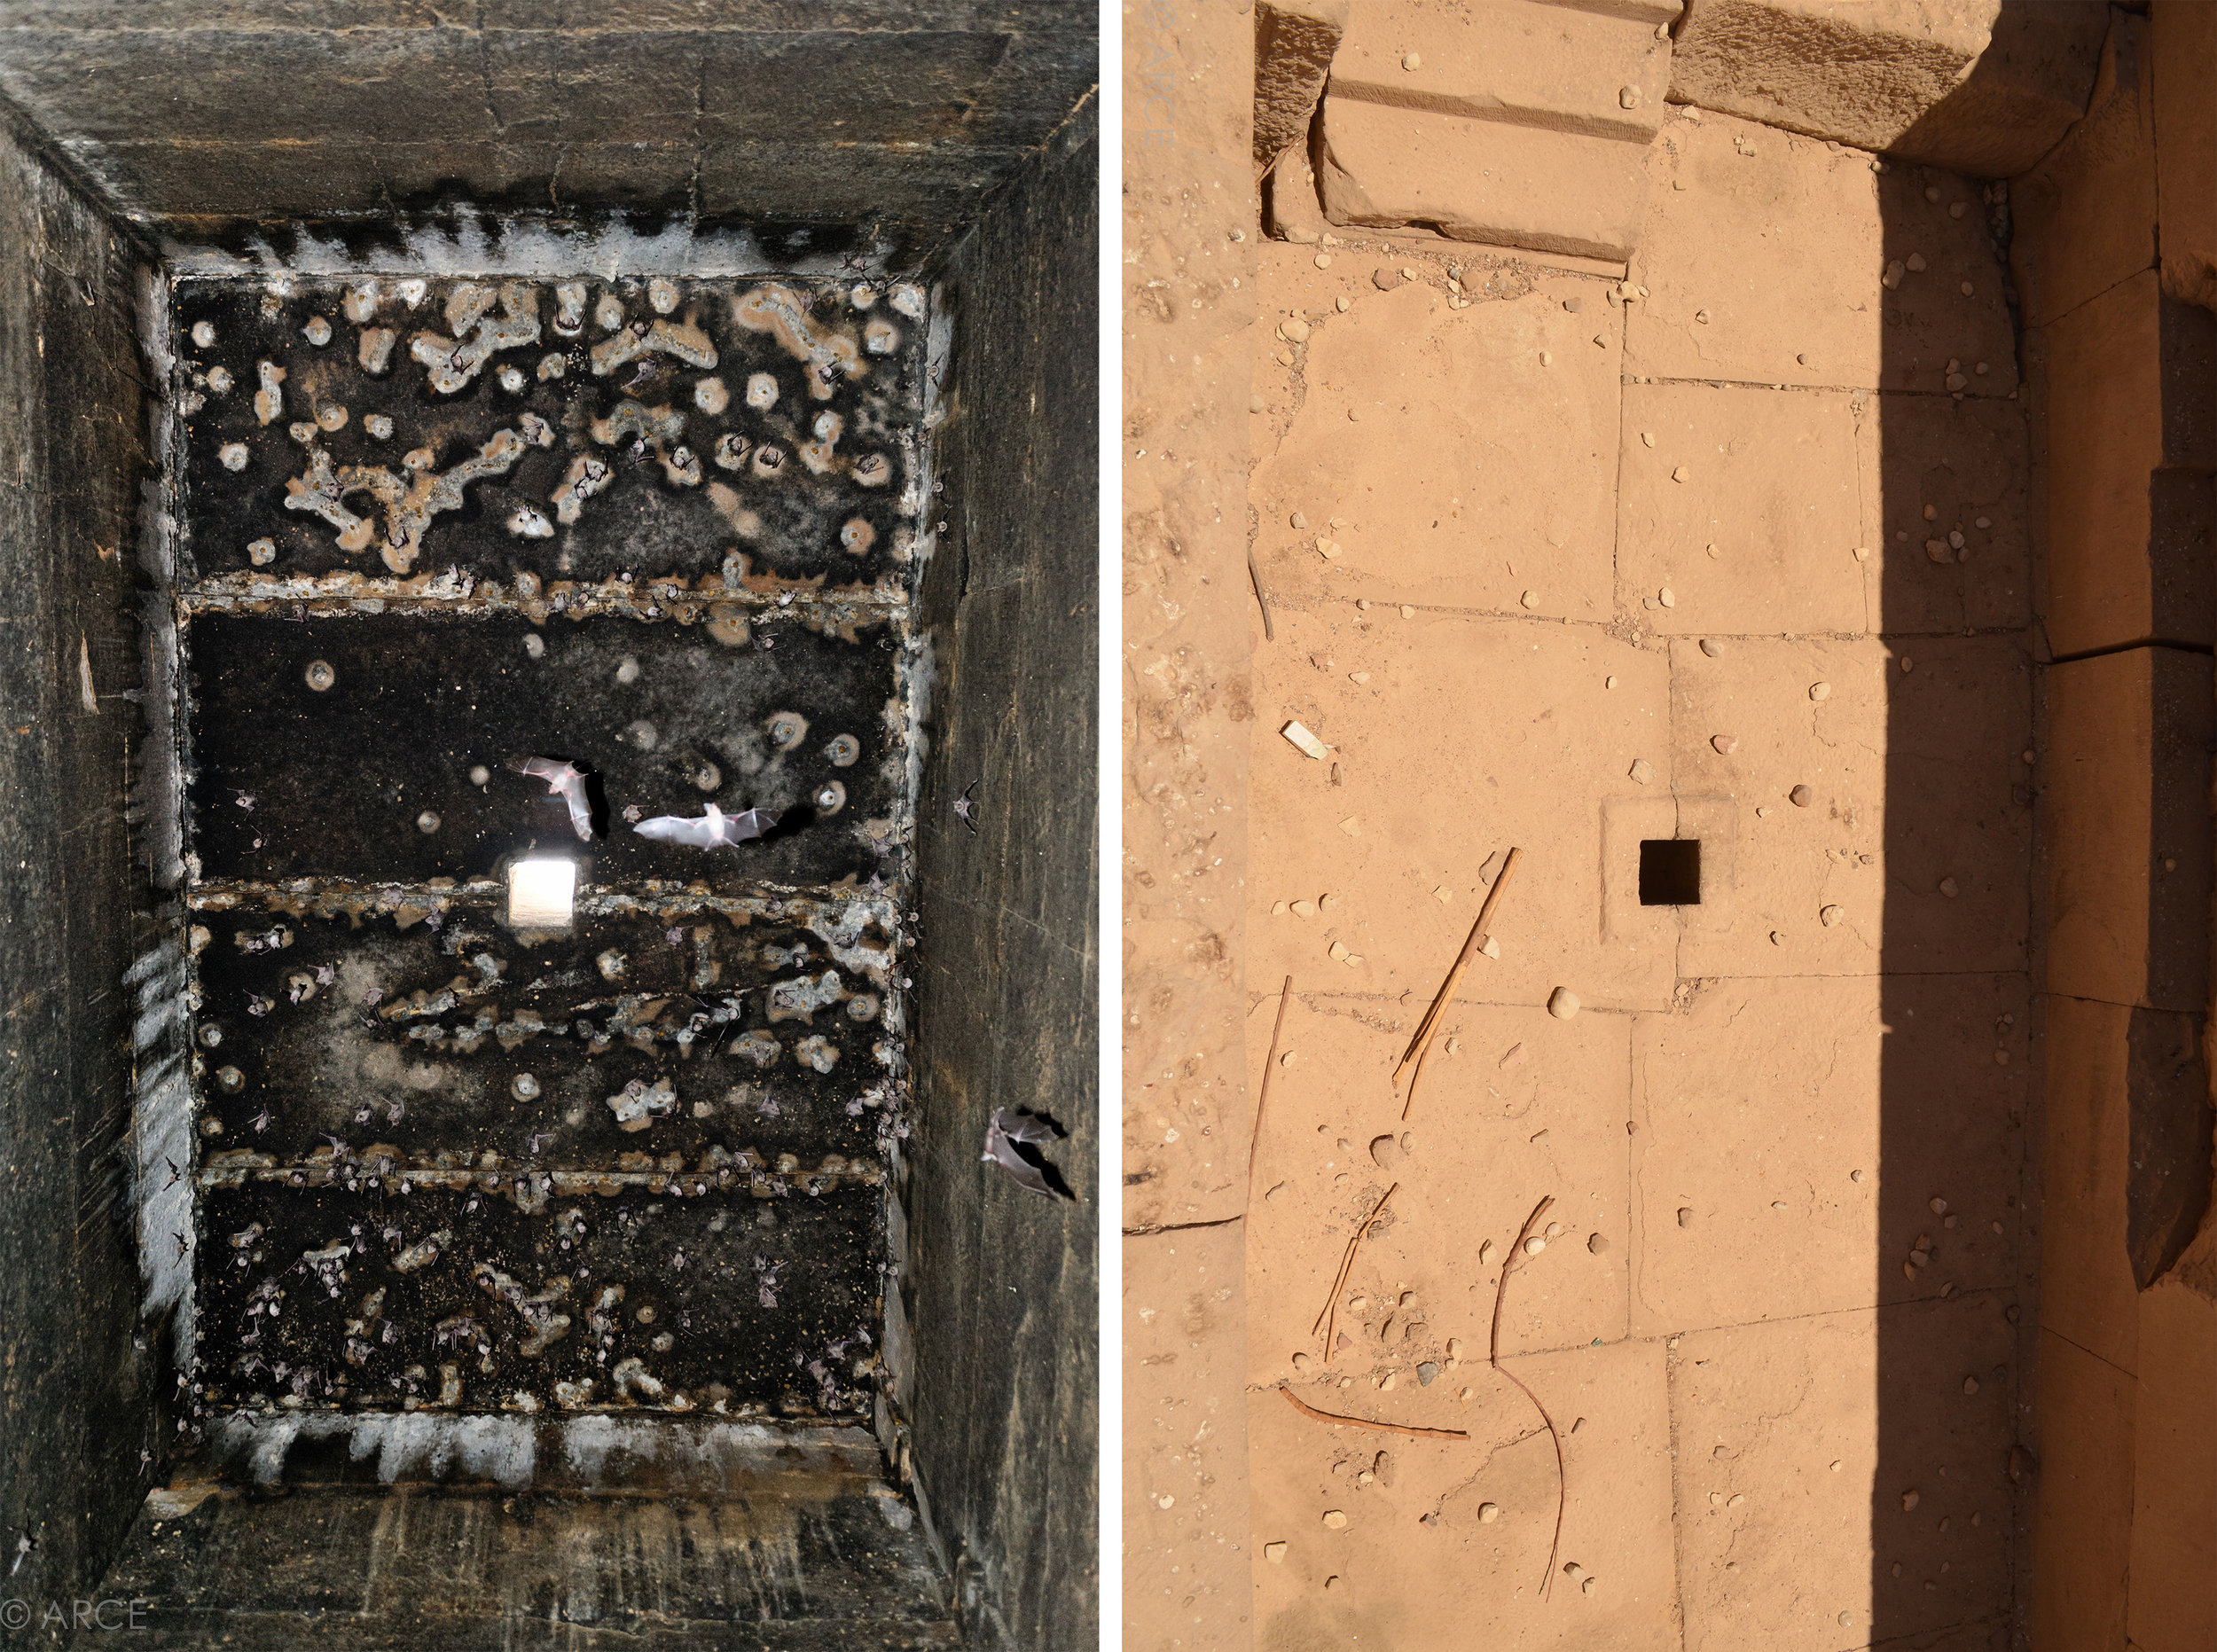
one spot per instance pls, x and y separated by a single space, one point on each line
1670 871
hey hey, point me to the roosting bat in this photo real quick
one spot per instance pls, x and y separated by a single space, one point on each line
567 781
710 829
1001 1137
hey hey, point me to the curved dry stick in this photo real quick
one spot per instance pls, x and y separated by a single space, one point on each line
1269 1065
1509 1264
1329 1318
1365 1423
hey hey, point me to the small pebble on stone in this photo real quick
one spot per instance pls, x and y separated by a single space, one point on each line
1386 1152
1679 473
1530 599
1711 647
1725 744
1562 1004
1641 772
1948 888
1667 597
1685 1217
1411 61
1909 1500
1598 1243
1830 916
1819 690
1334 1518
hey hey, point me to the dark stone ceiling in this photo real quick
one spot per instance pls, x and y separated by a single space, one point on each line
202 119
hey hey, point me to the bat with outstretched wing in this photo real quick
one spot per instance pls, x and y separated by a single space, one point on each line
710 829
567 781
1001 1136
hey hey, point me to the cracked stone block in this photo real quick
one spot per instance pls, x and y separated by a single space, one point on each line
2086 215
2127 827
2130 517
1770 480
1775 1542
2183 45
1811 1120
1512 1102
2087 1293
1490 416
1547 191
1527 740
2082 1510
1294 43
1763 211
1480 1512
1917 823
1977 86
2173 1596
1516 61
420 701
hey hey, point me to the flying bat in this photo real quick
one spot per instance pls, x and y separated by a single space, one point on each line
1002 1136
567 781
710 829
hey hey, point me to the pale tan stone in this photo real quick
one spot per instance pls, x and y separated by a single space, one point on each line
1517 61
1434 485
1471 1173
1481 180
1524 742
1764 1094
1481 1577
1763 1412
1912 777
1771 481
1780 241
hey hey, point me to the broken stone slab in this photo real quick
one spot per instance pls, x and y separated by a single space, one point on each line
1487 181
2086 215
1981 87
1517 61
1295 41
2183 45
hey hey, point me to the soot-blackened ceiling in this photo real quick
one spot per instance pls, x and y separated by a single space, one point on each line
204 116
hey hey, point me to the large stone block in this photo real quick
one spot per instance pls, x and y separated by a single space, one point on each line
1810 1122
2131 380
1486 181
1798 1444
2183 45
2082 1504
1911 846
1744 504
1429 447
2174 1605
2086 1295
2086 215
1516 61
1978 86
1294 43
2128 832
1949 477
1739 214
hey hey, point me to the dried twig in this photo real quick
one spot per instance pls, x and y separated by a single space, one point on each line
1329 1320
1430 1025
1270 633
1509 1264
1365 1423
1414 1077
1269 1065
